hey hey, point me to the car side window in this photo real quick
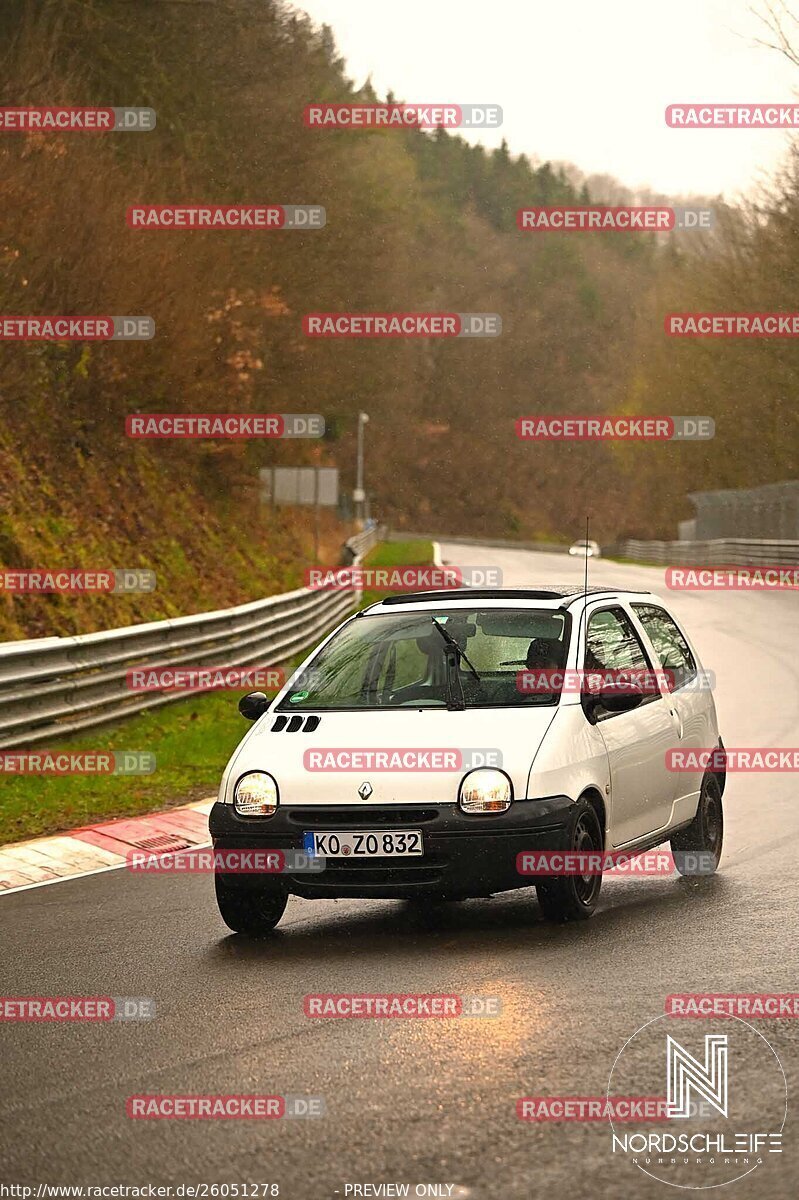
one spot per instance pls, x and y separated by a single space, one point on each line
611 644
670 645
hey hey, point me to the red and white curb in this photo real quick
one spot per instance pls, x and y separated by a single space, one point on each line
102 847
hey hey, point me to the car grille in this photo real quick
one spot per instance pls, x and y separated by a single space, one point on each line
358 818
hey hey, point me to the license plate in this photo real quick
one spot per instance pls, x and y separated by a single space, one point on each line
364 843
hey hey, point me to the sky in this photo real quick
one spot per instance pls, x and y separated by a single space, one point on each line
584 81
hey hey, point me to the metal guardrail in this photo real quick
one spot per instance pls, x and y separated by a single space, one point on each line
53 686
719 552
714 553
400 535
360 543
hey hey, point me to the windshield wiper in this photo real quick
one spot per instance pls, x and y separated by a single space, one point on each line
451 672
453 654
450 640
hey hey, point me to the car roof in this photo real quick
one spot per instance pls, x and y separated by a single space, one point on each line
552 595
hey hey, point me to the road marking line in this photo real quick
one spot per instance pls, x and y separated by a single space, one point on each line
93 849
12 891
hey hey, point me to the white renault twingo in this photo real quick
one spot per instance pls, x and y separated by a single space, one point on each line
433 738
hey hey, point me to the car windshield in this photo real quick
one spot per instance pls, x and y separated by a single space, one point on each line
400 660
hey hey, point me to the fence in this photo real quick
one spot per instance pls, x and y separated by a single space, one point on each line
768 511
58 685
715 553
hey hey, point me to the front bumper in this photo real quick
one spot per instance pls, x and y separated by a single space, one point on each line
464 854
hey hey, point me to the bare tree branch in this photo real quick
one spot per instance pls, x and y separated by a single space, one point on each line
774 23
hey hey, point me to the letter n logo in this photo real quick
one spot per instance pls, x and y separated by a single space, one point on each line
686 1073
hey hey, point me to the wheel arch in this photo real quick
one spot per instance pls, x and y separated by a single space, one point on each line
597 802
721 774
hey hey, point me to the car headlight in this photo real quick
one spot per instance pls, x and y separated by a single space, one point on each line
255 795
485 790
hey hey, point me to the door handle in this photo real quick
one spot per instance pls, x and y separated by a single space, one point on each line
677 721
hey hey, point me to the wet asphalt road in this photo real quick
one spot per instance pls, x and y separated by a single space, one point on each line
408 1101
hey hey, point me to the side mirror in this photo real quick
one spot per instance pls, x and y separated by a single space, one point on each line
254 705
620 697
614 696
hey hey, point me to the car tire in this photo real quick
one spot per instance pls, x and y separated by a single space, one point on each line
704 836
574 897
250 912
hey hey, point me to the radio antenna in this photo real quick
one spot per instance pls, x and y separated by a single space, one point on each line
585 596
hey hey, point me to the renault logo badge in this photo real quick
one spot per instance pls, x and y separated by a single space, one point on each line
365 791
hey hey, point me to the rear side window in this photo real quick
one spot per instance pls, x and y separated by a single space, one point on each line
670 645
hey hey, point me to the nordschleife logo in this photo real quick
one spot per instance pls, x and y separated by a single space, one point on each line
725 1096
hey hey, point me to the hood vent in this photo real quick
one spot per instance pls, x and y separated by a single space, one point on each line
295 723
